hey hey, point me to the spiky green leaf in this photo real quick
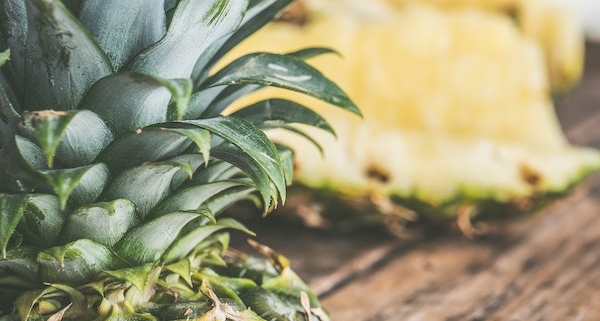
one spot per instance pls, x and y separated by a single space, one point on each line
76 262
42 220
149 242
33 156
20 262
103 223
311 52
251 141
192 198
48 126
147 145
90 186
195 25
128 101
133 184
285 71
200 137
138 25
211 102
189 238
216 171
181 91
234 155
287 162
4 56
64 181
12 208
54 59
225 199
143 276
258 14
84 138
273 113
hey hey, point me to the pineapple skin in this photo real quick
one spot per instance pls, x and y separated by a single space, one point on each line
456 100
117 163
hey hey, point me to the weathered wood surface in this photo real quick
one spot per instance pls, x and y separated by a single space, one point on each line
541 267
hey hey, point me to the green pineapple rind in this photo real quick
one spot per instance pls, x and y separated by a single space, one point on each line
117 160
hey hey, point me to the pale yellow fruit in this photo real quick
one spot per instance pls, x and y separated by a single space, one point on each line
456 102
555 27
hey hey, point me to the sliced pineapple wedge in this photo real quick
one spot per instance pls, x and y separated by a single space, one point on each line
456 101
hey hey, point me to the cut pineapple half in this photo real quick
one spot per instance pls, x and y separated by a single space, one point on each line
456 103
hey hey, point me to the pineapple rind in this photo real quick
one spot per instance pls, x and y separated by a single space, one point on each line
151 147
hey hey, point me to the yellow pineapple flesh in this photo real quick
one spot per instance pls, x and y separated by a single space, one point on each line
456 97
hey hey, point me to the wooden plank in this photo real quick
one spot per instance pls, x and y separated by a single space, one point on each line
543 268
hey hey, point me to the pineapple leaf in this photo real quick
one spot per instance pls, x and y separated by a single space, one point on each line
202 100
311 52
235 224
183 268
149 242
90 186
243 161
283 71
64 181
76 262
306 136
211 283
254 143
25 304
216 170
33 156
4 56
211 101
221 201
12 209
189 237
287 162
195 25
201 137
22 262
78 305
103 223
137 25
273 113
277 309
141 277
133 184
42 220
259 13
49 127
147 145
84 138
51 54
192 198
181 89
289 284
129 101
13 174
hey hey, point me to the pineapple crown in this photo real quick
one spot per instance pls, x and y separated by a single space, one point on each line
116 150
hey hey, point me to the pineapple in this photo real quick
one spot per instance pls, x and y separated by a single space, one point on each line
116 161
554 26
458 114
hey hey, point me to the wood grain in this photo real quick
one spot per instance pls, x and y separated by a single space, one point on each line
543 268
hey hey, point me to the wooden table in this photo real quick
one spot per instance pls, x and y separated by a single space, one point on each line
540 267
